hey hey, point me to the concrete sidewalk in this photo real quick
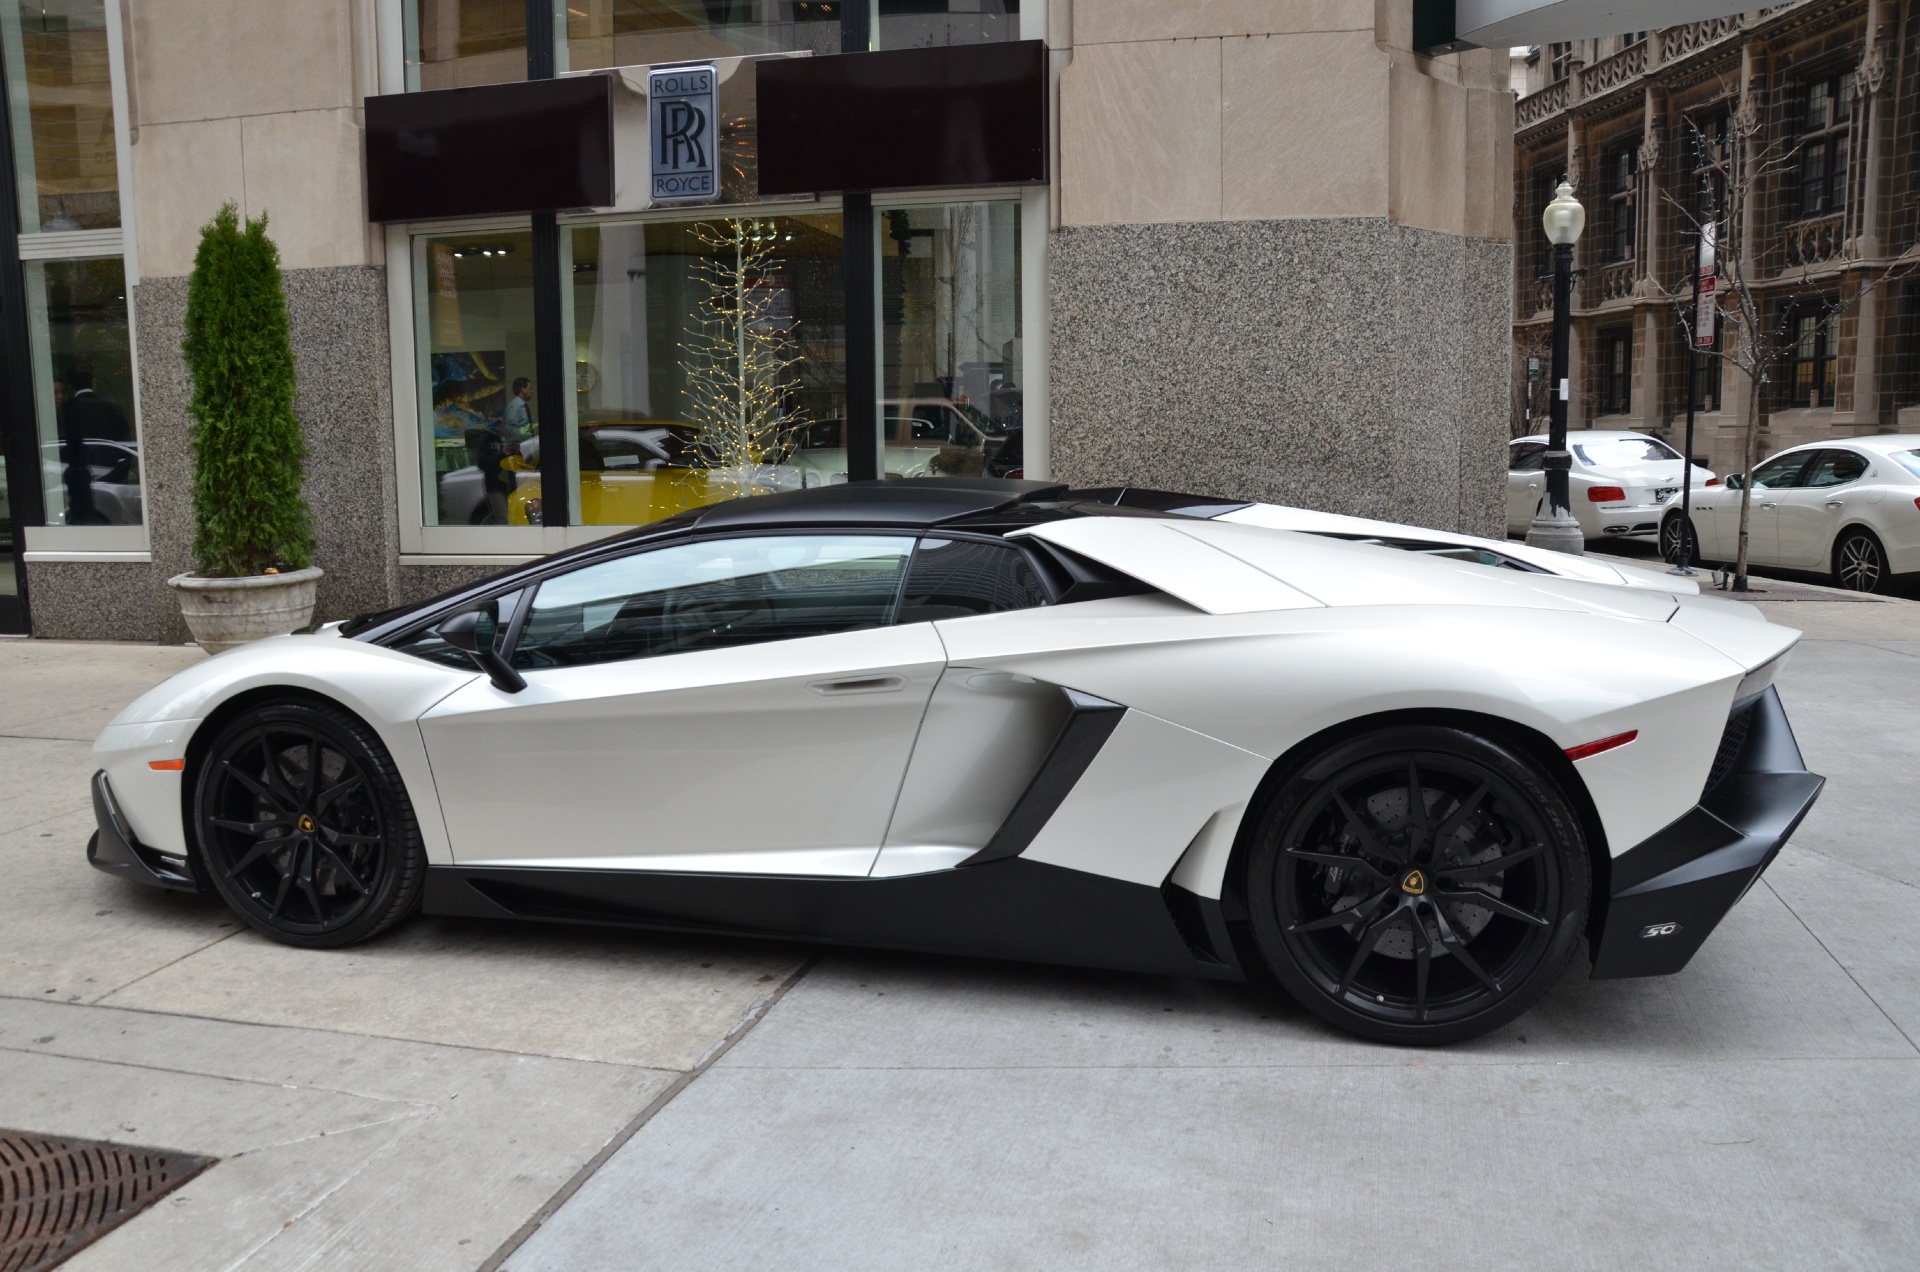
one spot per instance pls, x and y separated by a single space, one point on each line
409 1103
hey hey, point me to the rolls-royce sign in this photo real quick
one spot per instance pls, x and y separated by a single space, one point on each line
684 128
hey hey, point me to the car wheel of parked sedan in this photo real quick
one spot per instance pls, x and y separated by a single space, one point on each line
1860 563
1418 884
1673 531
304 826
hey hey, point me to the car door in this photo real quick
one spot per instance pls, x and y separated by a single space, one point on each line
1771 481
1811 513
1526 482
741 704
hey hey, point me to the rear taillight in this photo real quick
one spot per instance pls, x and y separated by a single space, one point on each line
1713 481
1916 503
1606 494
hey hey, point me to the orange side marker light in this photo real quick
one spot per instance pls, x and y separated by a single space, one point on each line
1604 744
167 766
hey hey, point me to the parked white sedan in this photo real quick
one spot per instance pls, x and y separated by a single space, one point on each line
1619 485
1850 509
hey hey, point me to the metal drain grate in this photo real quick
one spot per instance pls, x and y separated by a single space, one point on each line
57 1195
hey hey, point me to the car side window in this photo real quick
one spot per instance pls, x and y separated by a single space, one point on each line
713 594
1782 471
1836 468
957 578
1525 458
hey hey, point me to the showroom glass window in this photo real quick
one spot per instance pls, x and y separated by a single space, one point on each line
602 33
456 43
59 69
709 361
473 306
951 353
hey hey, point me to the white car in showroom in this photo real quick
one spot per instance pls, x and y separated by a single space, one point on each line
1849 509
1620 484
1107 728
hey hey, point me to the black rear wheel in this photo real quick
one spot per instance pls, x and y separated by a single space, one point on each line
304 826
1418 884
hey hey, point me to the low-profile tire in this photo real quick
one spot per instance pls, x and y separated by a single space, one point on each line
1860 563
304 826
1672 531
1417 921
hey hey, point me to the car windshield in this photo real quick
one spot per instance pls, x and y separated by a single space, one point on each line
1909 460
1623 450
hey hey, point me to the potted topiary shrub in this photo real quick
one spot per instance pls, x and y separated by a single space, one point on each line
253 532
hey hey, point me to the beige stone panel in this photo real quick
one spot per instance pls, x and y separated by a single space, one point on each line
209 59
182 173
1303 126
1428 152
1140 133
1489 158
303 170
1119 21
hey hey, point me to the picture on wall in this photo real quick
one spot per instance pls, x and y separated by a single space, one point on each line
469 391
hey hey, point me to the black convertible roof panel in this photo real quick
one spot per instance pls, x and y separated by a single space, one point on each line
913 503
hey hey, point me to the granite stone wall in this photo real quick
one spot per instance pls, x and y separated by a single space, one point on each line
338 321
1352 364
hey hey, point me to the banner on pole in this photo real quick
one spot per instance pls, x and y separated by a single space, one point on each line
1706 303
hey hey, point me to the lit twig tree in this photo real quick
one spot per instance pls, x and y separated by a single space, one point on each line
1758 312
741 356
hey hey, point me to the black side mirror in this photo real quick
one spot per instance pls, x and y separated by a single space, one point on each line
462 631
1734 481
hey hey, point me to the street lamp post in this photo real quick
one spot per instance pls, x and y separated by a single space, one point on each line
1553 525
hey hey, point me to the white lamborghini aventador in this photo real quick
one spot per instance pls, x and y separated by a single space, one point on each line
1404 773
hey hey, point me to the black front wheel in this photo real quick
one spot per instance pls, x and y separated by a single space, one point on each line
304 825
1860 563
1418 884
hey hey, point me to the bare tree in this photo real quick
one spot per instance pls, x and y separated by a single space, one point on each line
1761 312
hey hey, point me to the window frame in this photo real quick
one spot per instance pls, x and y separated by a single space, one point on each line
1820 364
1616 382
1620 170
1830 141
39 542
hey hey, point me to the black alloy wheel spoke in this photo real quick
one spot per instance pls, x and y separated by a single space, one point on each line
1458 817
1422 961
1369 842
340 838
1343 859
280 896
1343 918
1369 938
253 784
255 828
324 800
1481 871
276 774
1487 901
1458 948
313 767
254 854
1417 813
344 869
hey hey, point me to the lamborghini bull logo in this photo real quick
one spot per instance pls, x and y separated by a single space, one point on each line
1413 883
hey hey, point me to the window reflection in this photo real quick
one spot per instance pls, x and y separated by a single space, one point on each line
474 298
704 351
604 33
61 107
456 43
83 392
950 296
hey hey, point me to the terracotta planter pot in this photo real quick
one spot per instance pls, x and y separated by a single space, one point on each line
223 613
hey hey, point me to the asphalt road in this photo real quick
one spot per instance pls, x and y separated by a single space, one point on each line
459 1094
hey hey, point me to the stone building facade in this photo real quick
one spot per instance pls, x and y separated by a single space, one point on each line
1646 126
1269 261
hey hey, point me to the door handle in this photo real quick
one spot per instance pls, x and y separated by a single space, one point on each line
859 684
1768 504
1836 503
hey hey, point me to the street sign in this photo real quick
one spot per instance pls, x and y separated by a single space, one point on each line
1706 305
1533 370
684 134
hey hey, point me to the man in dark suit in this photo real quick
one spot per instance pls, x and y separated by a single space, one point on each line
84 416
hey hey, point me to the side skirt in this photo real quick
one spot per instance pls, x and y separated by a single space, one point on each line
1013 909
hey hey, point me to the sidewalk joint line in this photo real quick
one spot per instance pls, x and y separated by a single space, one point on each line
1847 971
754 1015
